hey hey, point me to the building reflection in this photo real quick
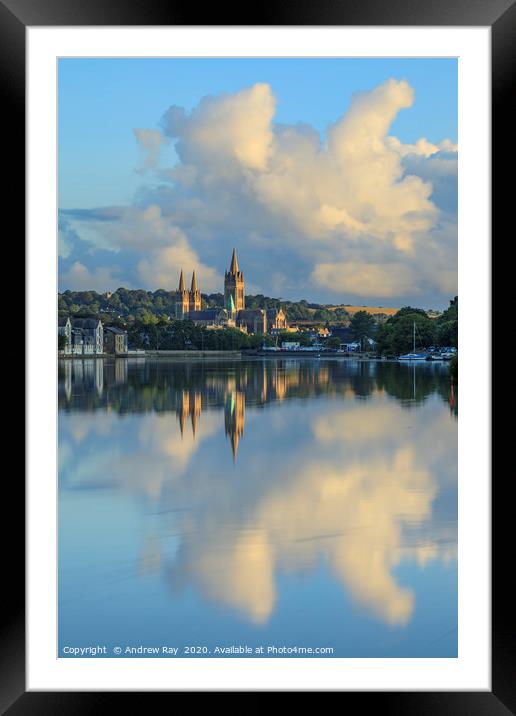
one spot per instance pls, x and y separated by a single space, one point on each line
234 418
354 480
189 389
190 405
77 377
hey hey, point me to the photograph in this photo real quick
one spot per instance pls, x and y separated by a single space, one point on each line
257 357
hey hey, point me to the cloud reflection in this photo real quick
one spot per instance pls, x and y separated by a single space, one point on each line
342 482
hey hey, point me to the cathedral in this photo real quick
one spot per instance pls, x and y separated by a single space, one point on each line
234 313
187 301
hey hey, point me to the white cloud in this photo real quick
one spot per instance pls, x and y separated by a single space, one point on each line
150 142
320 197
162 268
421 148
237 126
363 279
356 211
64 247
163 248
80 278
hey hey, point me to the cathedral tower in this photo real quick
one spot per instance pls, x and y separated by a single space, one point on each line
183 299
234 285
195 295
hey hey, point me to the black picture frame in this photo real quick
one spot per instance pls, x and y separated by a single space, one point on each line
500 15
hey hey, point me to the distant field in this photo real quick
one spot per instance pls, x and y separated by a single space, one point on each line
373 310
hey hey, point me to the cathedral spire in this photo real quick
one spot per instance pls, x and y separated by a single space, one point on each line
233 269
195 295
182 299
234 285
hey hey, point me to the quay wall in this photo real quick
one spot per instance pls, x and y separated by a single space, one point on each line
156 354
193 354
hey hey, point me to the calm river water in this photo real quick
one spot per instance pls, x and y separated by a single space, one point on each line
257 503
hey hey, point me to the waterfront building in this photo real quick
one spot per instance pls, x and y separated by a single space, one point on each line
64 328
115 341
87 336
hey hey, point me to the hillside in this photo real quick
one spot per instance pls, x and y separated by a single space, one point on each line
129 305
124 305
372 310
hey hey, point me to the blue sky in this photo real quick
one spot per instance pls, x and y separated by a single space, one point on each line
256 146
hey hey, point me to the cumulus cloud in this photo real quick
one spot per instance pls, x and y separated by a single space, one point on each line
355 211
367 279
158 270
82 279
150 142
162 248
234 126
422 147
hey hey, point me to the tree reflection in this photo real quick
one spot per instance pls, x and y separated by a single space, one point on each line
349 481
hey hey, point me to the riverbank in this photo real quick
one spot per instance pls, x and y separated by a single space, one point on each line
189 355
217 355
185 355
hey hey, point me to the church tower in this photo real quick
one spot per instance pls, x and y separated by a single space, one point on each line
183 299
234 285
195 295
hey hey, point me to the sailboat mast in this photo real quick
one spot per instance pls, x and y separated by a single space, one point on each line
414 338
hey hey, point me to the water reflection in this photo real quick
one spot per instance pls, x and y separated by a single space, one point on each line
344 466
190 388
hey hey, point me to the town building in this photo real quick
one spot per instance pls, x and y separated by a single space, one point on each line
276 320
87 337
84 336
115 341
64 328
252 321
291 345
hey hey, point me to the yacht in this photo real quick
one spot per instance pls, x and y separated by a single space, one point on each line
414 355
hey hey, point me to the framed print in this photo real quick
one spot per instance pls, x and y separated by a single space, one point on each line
247 465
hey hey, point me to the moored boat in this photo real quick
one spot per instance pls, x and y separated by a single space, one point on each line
414 356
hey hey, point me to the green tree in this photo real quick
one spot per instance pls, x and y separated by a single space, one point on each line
396 335
332 342
363 326
447 325
62 341
322 314
454 369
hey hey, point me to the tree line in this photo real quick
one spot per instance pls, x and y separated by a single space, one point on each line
396 334
148 317
139 304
